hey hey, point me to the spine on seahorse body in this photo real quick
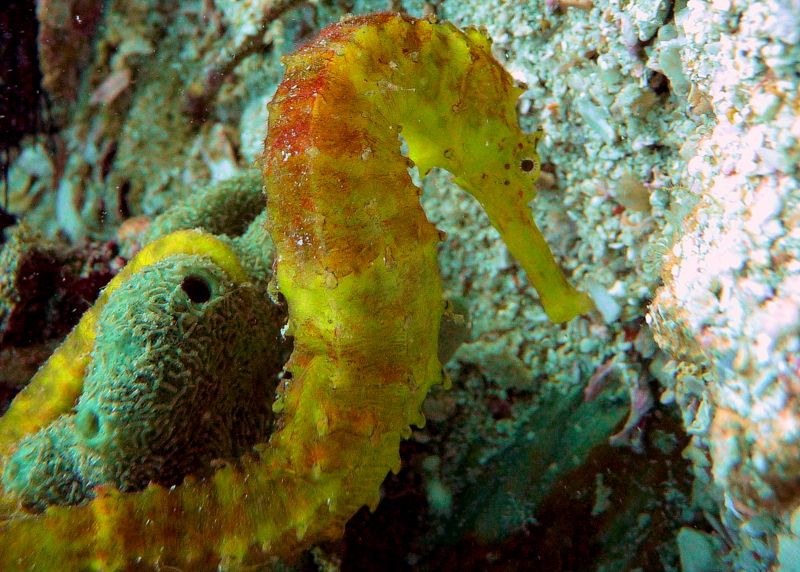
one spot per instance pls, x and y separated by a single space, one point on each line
356 261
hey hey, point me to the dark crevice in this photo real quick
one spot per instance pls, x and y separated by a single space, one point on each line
21 97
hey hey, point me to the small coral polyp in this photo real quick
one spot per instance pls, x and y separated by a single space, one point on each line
356 262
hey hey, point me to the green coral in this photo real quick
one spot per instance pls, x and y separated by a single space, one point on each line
180 376
227 207
30 273
234 209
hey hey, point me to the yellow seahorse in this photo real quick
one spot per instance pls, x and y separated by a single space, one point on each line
356 262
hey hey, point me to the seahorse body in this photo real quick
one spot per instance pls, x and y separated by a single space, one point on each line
356 261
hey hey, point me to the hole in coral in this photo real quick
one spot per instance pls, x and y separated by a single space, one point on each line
13 470
88 423
658 83
197 288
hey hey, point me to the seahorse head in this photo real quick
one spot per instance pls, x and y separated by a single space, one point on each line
508 165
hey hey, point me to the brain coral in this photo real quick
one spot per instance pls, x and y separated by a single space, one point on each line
178 378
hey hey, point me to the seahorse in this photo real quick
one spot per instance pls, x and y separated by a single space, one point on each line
356 263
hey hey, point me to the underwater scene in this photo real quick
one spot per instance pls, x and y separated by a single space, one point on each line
400 285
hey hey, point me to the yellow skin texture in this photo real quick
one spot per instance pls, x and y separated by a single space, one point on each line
356 261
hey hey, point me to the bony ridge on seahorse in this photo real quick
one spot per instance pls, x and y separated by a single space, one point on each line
356 262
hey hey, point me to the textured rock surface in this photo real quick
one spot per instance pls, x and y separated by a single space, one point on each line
731 301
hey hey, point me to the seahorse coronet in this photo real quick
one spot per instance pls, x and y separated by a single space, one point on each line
356 261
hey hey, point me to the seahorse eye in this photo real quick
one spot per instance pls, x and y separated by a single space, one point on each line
527 165
196 288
